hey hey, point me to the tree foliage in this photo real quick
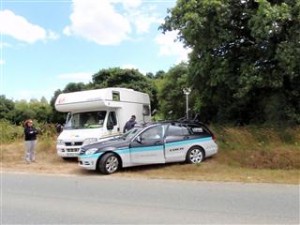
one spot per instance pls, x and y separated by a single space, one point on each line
171 96
6 108
245 57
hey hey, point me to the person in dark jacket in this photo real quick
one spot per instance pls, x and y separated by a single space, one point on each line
30 141
129 124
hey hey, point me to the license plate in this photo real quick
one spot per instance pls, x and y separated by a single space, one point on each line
71 154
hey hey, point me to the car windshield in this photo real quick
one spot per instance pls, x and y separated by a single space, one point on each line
131 133
85 120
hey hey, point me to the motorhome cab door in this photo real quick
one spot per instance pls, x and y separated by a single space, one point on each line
112 124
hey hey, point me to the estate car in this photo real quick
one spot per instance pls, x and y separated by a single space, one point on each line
156 143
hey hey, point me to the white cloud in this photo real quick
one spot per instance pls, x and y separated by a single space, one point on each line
52 35
109 22
128 4
2 62
143 21
19 28
4 45
129 66
102 24
76 77
169 46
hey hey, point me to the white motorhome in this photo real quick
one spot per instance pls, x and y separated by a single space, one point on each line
99 114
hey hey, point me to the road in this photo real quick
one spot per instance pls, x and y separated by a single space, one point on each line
49 199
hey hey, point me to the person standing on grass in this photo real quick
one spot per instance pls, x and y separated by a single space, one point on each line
30 141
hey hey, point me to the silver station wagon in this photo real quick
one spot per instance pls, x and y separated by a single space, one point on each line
156 143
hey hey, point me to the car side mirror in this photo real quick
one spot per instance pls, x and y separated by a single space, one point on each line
139 139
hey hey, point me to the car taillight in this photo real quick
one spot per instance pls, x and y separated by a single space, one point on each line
214 137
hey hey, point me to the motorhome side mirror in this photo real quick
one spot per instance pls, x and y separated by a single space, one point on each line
154 112
110 126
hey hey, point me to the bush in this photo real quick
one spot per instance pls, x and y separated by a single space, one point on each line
259 147
10 132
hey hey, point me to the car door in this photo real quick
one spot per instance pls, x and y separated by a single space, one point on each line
176 143
148 147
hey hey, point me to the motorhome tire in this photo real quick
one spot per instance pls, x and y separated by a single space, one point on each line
109 163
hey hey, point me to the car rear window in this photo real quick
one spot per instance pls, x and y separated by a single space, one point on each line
198 130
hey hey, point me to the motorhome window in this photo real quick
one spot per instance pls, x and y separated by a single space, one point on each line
68 124
116 96
112 118
146 110
86 120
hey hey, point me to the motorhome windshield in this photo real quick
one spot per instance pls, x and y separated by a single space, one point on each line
86 120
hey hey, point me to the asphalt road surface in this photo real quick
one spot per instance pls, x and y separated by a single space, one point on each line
49 199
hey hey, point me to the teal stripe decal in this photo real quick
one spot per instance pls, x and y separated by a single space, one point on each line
148 148
91 156
187 142
122 151
140 149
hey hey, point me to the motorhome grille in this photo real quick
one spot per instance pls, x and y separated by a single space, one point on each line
73 143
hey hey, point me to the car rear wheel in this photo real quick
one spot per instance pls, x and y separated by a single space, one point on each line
109 163
195 155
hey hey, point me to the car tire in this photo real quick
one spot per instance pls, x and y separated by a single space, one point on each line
109 163
195 155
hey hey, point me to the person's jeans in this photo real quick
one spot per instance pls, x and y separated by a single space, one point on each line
30 151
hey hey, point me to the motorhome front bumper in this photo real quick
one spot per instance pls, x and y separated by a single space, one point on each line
68 152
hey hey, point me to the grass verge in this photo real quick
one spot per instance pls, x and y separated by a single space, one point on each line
245 155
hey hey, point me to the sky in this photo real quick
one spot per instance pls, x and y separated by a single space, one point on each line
46 44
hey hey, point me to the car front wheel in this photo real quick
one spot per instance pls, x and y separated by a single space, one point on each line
109 163
195 155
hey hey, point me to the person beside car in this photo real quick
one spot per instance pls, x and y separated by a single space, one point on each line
129 124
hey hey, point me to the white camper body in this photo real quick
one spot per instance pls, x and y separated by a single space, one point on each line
99 114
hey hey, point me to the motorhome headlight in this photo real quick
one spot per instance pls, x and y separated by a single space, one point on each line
89 141
60 142
91 151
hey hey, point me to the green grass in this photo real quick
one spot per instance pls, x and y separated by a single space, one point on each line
246 154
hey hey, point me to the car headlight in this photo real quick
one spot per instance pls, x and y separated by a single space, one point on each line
89 141
91 151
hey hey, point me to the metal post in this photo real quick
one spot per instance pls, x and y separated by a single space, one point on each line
187 91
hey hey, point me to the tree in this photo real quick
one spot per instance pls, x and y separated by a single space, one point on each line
23 111
171 97
72 87
245 57
6 108
56 117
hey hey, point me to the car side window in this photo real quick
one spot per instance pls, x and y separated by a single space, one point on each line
153 133
185 131
174 131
